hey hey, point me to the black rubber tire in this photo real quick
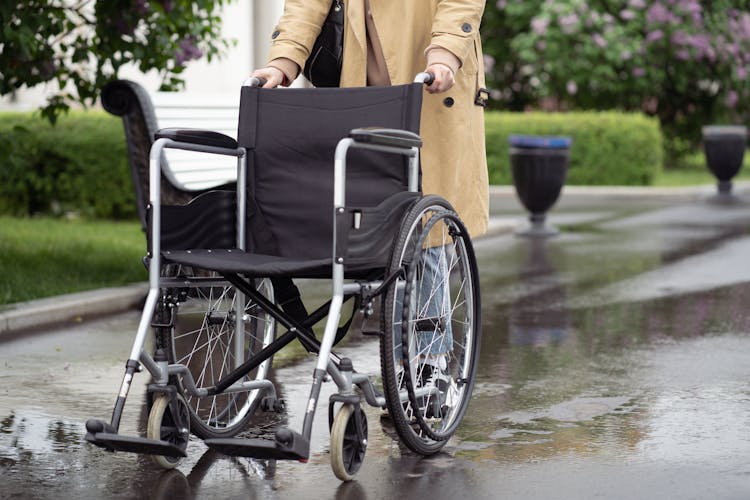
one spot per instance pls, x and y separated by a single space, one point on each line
423 425
161 426
347 451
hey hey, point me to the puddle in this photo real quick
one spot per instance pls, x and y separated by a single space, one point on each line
622 344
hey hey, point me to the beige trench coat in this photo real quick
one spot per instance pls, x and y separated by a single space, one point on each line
454 163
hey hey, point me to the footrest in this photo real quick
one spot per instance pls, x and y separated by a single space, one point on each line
116 442
288 445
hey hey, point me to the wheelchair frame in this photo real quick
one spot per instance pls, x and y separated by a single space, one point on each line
288 444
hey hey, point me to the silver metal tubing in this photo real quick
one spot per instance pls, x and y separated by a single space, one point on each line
153 368
336 375
154 191
355 288
241 197
187 380
193 282
422 77
414 172
252 385
334 315
363 382
384 149
144 324
239 325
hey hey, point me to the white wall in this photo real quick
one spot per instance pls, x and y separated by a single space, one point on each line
249 22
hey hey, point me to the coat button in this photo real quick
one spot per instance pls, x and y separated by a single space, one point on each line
466 28
448 102
275 34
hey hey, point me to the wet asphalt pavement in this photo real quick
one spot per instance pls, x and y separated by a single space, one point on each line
615 364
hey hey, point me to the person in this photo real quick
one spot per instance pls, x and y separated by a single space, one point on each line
389 42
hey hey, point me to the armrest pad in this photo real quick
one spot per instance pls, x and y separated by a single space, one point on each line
197 136
387 137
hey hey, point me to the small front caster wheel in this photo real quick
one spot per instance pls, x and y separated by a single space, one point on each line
348 441
165 425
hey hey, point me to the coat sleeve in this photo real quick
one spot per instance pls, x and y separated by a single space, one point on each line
299 26
456 25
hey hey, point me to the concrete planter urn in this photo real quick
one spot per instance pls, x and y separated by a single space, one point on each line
724 147
539 166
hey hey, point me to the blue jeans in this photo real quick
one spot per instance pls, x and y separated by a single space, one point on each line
433 302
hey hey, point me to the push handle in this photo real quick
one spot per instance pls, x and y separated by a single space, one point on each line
426 77
254 81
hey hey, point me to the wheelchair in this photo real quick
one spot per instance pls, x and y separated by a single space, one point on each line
328 187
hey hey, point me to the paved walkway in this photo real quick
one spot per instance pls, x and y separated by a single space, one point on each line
24 317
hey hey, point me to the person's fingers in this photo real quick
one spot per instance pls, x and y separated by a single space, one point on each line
273 76
444 78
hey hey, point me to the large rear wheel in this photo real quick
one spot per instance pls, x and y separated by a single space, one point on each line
431 326
216 329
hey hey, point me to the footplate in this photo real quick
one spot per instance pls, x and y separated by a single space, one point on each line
133 444
287 445
102 434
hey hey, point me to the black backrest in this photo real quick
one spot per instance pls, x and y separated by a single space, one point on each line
291 136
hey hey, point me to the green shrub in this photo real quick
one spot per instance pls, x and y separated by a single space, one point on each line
79 165
609 148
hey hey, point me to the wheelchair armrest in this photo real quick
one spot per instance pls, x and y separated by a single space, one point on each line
387 137
197 136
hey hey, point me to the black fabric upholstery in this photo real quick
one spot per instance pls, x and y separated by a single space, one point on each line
292 135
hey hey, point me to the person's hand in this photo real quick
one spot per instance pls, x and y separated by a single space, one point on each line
273 76
444 78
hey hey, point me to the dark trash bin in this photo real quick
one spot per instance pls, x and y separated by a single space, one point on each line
724 148
539 165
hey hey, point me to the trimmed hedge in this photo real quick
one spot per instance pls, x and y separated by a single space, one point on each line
609 148
78 165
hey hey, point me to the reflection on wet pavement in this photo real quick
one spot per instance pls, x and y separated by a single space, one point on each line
615 353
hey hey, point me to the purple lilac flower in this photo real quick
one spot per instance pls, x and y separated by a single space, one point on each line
639 72
731 99
168 5
571 87
654 36
489 62
569 23
637 4
186 51
539 25
141 7
501 4
741 73
627 14
599 40
658 14
679 37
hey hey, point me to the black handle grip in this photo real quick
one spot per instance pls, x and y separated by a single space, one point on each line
430 78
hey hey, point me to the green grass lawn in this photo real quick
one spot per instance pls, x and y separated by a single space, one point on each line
45 256
693 171
42 257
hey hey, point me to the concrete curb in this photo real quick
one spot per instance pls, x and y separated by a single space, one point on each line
25 316
629 192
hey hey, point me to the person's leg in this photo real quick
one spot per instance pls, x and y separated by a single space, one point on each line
435 338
